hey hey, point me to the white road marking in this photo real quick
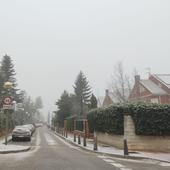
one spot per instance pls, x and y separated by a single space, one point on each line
102 157
109 160
164 164
38 139
49 139
125 169
118 165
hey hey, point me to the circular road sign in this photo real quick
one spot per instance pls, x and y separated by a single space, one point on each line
7 101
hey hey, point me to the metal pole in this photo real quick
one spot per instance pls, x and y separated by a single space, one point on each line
126 152
6 131
95 147
79 140
74 137
95 141
84 140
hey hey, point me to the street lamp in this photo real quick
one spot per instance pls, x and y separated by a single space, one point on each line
8 85
7 106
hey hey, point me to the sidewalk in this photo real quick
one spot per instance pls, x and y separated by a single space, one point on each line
4 149
112 151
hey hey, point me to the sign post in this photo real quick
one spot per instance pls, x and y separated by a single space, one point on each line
7 106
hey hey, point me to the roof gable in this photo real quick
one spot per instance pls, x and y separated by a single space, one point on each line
163 78
152 87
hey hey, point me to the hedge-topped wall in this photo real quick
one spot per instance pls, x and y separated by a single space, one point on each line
109 120
149 119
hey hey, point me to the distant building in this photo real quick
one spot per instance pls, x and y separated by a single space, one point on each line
107 100
155 89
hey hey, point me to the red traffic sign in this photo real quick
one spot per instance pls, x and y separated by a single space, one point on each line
7 101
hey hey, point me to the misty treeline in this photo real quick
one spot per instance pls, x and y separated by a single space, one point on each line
28 110
77 103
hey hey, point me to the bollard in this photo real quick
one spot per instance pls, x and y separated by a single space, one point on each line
79 140
74 137
84 141
126 152
66 135
95 142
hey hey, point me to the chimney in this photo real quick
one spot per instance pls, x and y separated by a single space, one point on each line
137 84
107 92
137 78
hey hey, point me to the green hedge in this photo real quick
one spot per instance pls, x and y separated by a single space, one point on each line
149 119
109 120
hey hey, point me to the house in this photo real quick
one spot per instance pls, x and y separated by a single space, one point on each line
107 100
155 89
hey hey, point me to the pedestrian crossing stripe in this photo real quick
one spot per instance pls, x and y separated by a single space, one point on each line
164 164
109 160
118 165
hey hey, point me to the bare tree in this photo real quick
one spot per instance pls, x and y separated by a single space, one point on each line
121 84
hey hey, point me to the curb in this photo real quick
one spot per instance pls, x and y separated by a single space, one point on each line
107 154
17 151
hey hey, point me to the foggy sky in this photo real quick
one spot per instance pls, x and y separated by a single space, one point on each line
50 41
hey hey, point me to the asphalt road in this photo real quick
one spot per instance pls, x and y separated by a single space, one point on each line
49 152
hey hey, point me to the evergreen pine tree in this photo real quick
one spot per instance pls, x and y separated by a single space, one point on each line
82 91
8 74
64 108
93 102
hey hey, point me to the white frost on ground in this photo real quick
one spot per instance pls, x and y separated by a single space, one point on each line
4 147
115 151
38 139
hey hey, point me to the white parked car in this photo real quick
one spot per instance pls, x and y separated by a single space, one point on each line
20 132
30 127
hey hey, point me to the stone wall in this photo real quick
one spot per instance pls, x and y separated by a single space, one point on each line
113 140
136 142
144 143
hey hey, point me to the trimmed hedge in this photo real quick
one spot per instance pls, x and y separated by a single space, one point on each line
109 120
149 119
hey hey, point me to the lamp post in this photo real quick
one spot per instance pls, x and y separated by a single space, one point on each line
7 106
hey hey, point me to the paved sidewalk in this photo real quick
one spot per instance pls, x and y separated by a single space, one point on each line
4 149
106 149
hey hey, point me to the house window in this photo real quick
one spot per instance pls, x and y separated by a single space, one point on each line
154 100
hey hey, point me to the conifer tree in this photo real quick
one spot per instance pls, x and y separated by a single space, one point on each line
93 102
82 91
8 74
